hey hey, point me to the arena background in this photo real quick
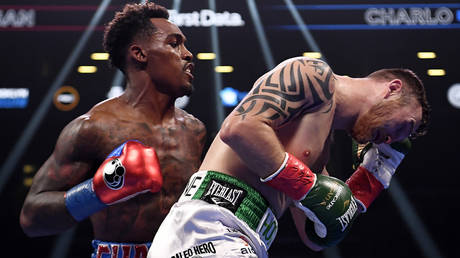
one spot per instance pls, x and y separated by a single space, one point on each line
43 44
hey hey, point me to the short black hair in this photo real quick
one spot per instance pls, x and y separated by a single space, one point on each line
131 22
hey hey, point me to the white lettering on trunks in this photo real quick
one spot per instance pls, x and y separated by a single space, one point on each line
226 193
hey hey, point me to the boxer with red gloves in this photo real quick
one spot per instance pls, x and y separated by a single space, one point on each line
326 201
130 169
375 165
282 132
124 187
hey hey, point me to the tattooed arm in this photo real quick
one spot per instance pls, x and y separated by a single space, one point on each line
293 88
44 211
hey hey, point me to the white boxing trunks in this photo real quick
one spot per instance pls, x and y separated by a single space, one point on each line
217 215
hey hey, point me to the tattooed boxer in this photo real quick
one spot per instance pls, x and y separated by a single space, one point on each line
271 153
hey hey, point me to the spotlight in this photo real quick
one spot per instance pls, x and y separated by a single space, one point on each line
436 72
312 54
224 69
206 56
100 56
87 69
426 55
453 95
229 97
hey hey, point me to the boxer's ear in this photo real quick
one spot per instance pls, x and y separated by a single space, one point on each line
137 53
394 87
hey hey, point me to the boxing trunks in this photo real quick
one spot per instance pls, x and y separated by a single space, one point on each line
217 215
119 250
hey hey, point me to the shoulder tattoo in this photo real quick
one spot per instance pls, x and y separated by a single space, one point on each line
289 90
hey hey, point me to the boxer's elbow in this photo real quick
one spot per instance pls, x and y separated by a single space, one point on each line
31 221
232 132
27 225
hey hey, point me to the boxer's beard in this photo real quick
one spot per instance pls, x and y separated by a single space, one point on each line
375 118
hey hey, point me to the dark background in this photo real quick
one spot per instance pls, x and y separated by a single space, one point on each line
414 218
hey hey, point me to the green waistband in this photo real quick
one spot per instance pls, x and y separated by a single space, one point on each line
249 205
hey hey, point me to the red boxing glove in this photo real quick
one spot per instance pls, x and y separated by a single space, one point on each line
364 186
129 170
326 201
293 178
377 165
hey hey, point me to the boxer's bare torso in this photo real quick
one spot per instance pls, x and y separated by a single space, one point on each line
304 131
86 142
